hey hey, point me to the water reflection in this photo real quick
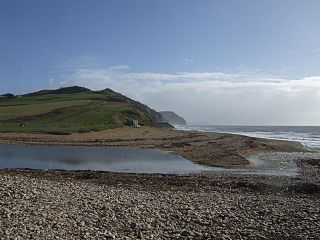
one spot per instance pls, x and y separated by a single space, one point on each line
132 160
95 158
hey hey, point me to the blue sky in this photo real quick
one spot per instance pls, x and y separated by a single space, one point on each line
148 44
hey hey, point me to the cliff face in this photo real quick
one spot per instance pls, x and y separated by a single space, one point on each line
173 118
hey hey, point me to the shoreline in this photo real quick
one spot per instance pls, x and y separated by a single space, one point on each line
211 149
86 204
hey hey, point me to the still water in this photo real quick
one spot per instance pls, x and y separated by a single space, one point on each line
113 159
134 160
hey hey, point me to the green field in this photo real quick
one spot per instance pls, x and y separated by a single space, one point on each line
66 113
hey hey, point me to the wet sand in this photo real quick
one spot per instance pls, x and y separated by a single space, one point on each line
212 149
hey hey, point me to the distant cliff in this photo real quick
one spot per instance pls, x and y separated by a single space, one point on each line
172 118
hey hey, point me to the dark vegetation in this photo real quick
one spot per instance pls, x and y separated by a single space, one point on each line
67 90
72 109
7 96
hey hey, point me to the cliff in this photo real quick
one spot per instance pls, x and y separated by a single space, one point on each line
173 118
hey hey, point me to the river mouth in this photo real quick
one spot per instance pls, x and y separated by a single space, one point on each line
136 160
274 164
282 163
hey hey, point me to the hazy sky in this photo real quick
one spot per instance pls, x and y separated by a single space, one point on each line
215 61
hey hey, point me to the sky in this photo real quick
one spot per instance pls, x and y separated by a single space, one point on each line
224 62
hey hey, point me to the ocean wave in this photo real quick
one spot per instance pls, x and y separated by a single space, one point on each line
308 136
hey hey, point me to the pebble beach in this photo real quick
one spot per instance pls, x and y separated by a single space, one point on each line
39 204
59 204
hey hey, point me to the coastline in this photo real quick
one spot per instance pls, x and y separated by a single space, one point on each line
211 149
106 205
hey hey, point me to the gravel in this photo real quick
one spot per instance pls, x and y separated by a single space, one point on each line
55 204
211 149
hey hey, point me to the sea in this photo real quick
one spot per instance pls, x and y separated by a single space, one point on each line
309 136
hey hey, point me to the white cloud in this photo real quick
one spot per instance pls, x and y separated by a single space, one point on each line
215 97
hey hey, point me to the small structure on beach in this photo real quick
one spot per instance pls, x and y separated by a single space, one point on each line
133 123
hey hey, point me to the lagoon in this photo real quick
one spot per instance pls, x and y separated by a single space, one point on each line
137 160
114 159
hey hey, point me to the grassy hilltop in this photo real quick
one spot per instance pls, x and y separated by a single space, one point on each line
72 109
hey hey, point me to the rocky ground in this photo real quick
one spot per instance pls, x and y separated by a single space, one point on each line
37 204
54 204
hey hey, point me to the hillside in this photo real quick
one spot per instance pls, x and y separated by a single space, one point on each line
72 109
173 118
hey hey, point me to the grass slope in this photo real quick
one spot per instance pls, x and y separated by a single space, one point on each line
62 113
